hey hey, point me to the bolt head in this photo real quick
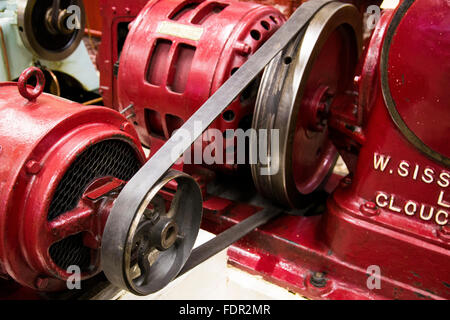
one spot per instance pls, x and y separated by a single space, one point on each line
318 279
41 282
370 209
33 167
127 127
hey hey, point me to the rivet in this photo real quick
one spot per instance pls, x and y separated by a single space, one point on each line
370 209
127 127
33 167
242 48
444 233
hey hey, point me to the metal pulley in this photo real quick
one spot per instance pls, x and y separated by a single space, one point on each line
294 97
159 240
51 29
120 254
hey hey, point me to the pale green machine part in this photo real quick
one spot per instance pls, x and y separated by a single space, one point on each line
78 64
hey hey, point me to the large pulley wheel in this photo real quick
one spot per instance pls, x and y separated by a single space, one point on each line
294 97
145 255
51 29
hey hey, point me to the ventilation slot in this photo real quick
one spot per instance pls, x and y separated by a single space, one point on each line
109 158
122 33
208 11
180 68
154 123
158 62
173 123
179 12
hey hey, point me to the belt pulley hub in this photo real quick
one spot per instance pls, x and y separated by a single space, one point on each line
51 29
160 237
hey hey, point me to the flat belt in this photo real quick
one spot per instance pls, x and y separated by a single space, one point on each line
135 191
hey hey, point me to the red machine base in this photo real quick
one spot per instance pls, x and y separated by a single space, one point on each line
296 258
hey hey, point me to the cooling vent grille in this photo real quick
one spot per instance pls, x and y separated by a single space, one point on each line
114 158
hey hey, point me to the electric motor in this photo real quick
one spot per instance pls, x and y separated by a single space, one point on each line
190 48
62 168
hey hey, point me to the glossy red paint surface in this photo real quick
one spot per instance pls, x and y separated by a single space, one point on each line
39 141
391 214
116 15
419 72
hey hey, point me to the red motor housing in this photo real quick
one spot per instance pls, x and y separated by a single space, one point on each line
178 53
60 165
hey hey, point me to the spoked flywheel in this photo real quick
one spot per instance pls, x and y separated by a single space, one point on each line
294 97
145 255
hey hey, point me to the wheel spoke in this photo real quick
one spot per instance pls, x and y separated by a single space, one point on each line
78 220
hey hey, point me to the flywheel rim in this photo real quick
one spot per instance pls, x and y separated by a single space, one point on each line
282 87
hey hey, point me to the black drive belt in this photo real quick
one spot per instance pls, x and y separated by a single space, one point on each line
135 191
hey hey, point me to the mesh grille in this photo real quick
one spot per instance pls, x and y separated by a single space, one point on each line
107 158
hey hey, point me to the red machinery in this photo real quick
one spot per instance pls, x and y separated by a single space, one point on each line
391 212
384 232
191 49
116 16
62 166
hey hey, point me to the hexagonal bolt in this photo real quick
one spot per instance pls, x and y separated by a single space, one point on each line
33 167
370 209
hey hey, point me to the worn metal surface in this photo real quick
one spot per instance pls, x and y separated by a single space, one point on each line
58 160
117 15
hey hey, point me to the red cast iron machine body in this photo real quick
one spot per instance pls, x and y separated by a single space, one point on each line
395 213
391 213
59 160
116 16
